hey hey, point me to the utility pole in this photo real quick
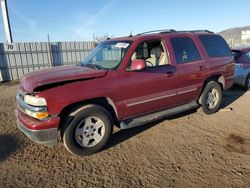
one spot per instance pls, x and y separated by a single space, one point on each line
6 21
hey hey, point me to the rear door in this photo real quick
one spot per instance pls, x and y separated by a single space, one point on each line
190 67
220 60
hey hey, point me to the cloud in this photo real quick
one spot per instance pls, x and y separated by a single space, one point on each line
85 30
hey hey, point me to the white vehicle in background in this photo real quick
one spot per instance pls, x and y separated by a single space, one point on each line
242 67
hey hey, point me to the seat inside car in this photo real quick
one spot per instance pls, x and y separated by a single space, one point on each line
157 57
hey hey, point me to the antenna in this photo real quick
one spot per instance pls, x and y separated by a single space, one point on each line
131 34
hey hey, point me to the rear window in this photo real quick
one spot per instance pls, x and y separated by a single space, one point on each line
185 50
215 46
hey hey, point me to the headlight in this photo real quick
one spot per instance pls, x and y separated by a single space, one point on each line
34 101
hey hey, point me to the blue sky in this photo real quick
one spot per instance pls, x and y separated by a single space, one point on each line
68 20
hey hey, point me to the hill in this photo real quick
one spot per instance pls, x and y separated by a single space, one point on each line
234 34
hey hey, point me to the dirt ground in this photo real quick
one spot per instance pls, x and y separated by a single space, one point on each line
188 150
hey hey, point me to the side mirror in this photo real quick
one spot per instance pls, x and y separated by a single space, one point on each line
138 64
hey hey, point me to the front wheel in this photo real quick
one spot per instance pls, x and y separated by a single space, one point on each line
87 129
211 97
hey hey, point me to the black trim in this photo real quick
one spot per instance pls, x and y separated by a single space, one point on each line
163 31
141 120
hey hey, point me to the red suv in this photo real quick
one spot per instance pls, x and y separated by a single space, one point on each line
126 82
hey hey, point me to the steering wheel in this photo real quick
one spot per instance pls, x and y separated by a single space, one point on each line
149 64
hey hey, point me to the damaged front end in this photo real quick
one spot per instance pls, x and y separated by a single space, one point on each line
34 120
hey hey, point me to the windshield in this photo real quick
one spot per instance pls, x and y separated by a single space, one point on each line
106 55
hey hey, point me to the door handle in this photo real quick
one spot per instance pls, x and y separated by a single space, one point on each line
202 68
169 74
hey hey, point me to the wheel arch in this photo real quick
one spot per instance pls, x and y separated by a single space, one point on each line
217 78
104 102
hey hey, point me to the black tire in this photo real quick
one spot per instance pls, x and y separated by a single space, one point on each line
75 118
205 94
246 87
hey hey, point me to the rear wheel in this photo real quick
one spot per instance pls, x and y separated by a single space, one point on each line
247 84
87 130
211 97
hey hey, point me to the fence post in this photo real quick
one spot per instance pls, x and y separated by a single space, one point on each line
1 65
1 77
49 51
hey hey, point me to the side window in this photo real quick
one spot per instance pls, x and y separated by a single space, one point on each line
215 46
185 50
152 52
142 50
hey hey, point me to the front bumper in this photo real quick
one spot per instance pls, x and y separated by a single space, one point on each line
42 132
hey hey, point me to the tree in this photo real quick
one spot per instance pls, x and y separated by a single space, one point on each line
99 39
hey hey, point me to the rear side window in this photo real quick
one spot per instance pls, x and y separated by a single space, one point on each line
215 46
185 50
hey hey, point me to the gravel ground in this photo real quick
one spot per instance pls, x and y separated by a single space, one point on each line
188 150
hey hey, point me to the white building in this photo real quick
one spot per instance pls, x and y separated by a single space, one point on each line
245 36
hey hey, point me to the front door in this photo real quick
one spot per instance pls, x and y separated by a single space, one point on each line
150 89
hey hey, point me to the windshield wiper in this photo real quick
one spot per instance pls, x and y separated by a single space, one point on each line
92 65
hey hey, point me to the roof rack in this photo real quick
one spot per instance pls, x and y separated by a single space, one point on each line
196 31
158 31
162 31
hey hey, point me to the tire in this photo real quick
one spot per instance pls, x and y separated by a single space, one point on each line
247 83
212 104
87 129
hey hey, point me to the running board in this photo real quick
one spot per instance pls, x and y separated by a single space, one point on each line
137 121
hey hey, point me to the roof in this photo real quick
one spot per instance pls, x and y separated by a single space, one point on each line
161 32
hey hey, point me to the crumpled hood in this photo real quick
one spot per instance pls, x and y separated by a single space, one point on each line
36 79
